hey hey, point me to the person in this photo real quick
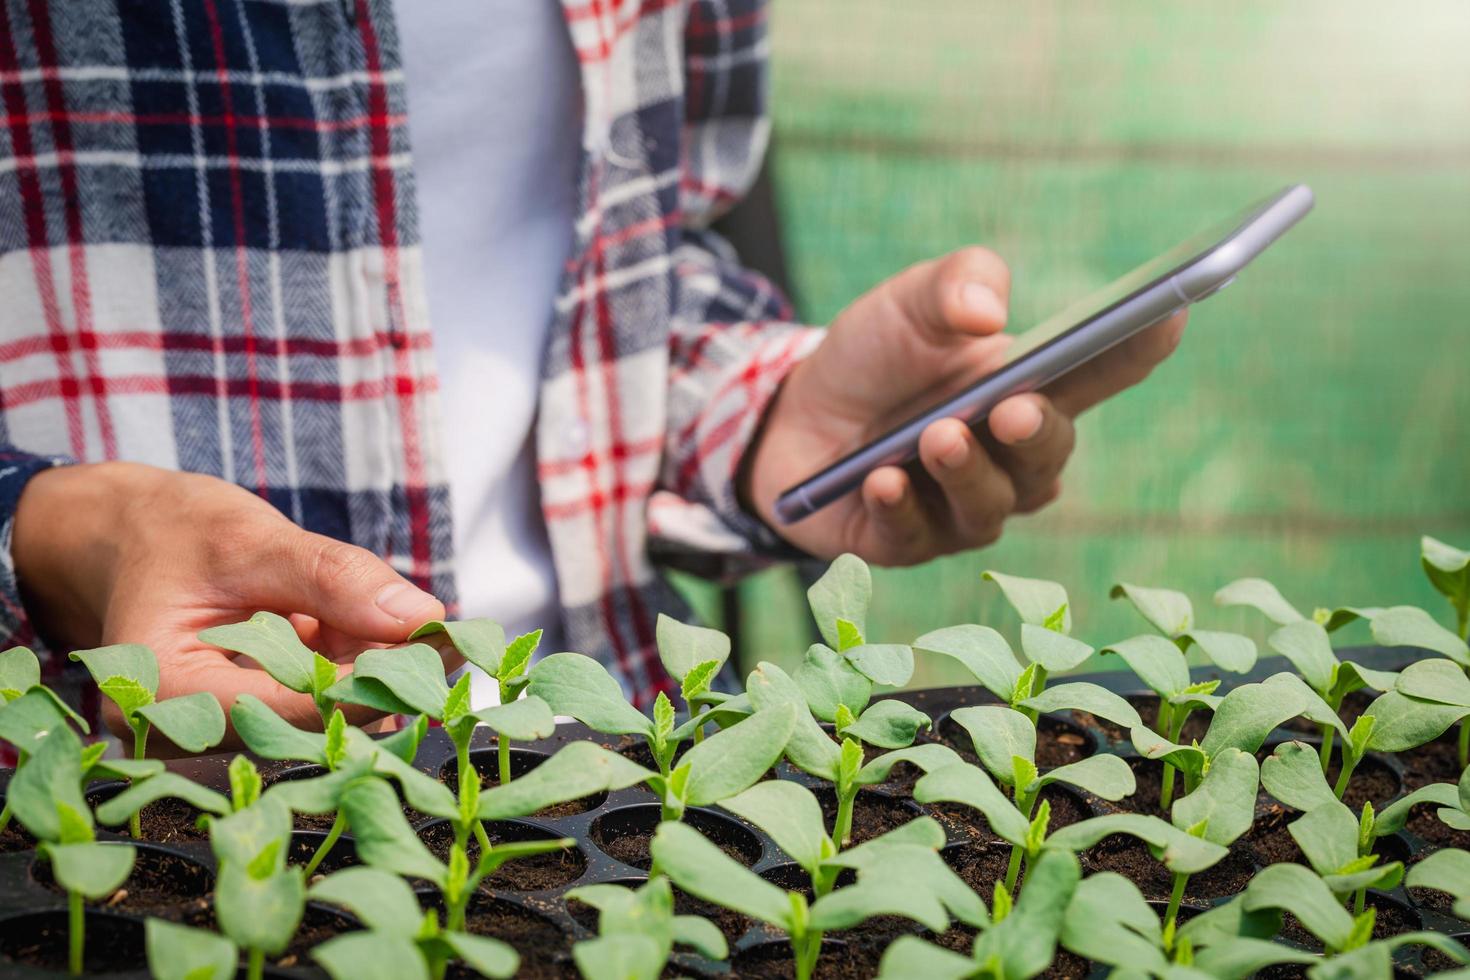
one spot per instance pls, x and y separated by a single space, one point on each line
225 285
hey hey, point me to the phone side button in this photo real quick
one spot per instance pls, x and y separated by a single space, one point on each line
1208 293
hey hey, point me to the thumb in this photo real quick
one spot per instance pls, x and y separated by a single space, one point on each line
345 587
963 294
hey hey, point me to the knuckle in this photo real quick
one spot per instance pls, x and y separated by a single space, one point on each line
334 563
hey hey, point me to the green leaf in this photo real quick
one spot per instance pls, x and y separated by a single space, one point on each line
620 956
1179 851
1081 696
383 901
165 785
827 680
578 769
384 838
909 956
518 656
906 880
1189 759
20 670
1243 957
1448 871
848 636
371 956
731 760
482 954
999 734
700 868
1261 595
928 757
1403 723
809 748
1167 611
1435 680
682 647
889 724
1108 921
270 641
1306 645
843 592
981 650
480 641
193 722
245 782
1328 836
95 870
1228 651
50 779
1033 599
1107 776
1448 569
791 815
1024 942
1409 626
178 952
1158 663
967 784
413 674
883 663
1248 713
1293 775
369 693
702 935
576 685
130 769
260 829
1055 651
127 694
698 680
1293 888
1224 801
28 719
1396 814
323 676
132 661
524 720
321 794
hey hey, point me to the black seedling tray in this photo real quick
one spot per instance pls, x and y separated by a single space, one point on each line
27 905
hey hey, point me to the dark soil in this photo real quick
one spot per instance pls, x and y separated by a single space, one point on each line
40 939
1130 857
1425 824
1393 919
1433 762
1374 781
15 838
304 846
1147 706
980 866
1428 898
545 949
1435 961
625 834
162 884
839 961
1067 807
1148 778
873 814
318 924
162 822
733 924
1269 840
961 820
522 761
540 872
323 821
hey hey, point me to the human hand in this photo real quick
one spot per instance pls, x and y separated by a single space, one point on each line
918 338
123 553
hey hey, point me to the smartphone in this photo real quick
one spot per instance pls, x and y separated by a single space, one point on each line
1198 268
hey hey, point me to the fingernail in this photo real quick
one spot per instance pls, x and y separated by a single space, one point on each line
404 602
981 301
955 456
1035 427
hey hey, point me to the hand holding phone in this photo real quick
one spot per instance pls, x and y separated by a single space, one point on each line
922 339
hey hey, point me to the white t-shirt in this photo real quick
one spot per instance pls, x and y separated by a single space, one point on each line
494 109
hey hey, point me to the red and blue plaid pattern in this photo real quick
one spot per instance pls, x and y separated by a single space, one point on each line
209 261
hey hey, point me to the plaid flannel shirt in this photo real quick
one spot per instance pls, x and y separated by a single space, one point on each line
209 262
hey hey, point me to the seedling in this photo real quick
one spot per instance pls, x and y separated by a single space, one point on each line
28 708
1219 810
1428 698
1172 614
693 656
963 783
271 641
482 643
838 693
127 674
1447 871
1453 801
1448 569
178 952
1347 939
1005 741
1338 845
258 898
1021 942
637 930
1443 683
410 681
46 797
385 841
839 602
899 873
1264 597
725 763
812 751
1306 645
245 787
1161 666
401 939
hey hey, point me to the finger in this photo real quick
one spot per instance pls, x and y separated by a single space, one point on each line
342 586
1121 367
897 518
1033 442
964 294
978 493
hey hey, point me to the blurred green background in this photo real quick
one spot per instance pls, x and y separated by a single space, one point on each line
1313 423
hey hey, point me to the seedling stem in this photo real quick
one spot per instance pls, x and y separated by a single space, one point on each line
76 923
256 968
1175 897
503 754
339 824
140 727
